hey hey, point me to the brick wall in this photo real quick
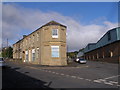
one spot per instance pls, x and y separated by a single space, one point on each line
108 53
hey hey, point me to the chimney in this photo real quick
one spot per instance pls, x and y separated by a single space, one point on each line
24 36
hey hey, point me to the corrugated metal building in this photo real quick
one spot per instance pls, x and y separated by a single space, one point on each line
106 49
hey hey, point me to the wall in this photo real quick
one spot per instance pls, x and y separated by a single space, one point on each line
104 53
104 40
44 44
48 41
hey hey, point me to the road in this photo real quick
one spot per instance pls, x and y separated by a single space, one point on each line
90 75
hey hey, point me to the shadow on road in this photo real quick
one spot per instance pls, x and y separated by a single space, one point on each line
14 79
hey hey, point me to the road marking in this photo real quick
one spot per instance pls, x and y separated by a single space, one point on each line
53 72
113 82
97 81
88 79
118 85
73 76
101 80
108 83
80 78
105 82
61 74
49 71
56 73
112 77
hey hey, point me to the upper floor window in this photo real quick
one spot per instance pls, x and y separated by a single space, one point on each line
29 40
26 41
109 36
37 36
55 33
33 38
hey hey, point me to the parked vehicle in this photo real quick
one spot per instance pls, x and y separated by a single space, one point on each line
80 60
2 62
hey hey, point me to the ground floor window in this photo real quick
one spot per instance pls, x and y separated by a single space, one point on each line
97 56
33 54
55 51
93 57
111 54
26 53
103 55
37 53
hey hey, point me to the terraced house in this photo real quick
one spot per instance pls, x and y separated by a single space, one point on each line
45 46
106 49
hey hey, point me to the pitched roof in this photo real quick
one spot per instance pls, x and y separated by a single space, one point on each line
53 23
49 23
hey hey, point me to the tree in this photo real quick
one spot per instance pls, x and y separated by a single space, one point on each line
7 52
72 54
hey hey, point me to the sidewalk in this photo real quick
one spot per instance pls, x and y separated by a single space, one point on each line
71 64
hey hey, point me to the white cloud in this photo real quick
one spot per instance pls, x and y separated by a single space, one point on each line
16 19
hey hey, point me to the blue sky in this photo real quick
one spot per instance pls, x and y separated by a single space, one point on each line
25 17
87 10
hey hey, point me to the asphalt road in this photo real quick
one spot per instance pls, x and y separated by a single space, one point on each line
90 75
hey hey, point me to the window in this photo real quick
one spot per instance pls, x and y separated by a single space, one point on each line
37 36
97 56
109 36
111 54
26 42
33 54
93 57
55 33
88 47
37 53
26 53
29 40
33 39
55 51
103 55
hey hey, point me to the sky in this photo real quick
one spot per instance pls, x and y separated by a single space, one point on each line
86 22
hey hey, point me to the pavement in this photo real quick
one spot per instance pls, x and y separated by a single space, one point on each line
91 75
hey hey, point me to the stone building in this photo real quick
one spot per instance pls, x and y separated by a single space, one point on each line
106 49
45 46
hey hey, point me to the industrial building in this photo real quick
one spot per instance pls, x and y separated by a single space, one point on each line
45 46
106 49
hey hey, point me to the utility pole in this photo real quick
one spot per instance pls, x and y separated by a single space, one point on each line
7 49
7 42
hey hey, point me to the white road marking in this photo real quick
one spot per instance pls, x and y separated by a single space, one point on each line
97 81
113 82
80 78
56 73
108 83
73 76
101 80
118 85
111 77
49 71
61 74
53 72
88 79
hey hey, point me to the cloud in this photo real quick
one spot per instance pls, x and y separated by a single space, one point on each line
18 20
